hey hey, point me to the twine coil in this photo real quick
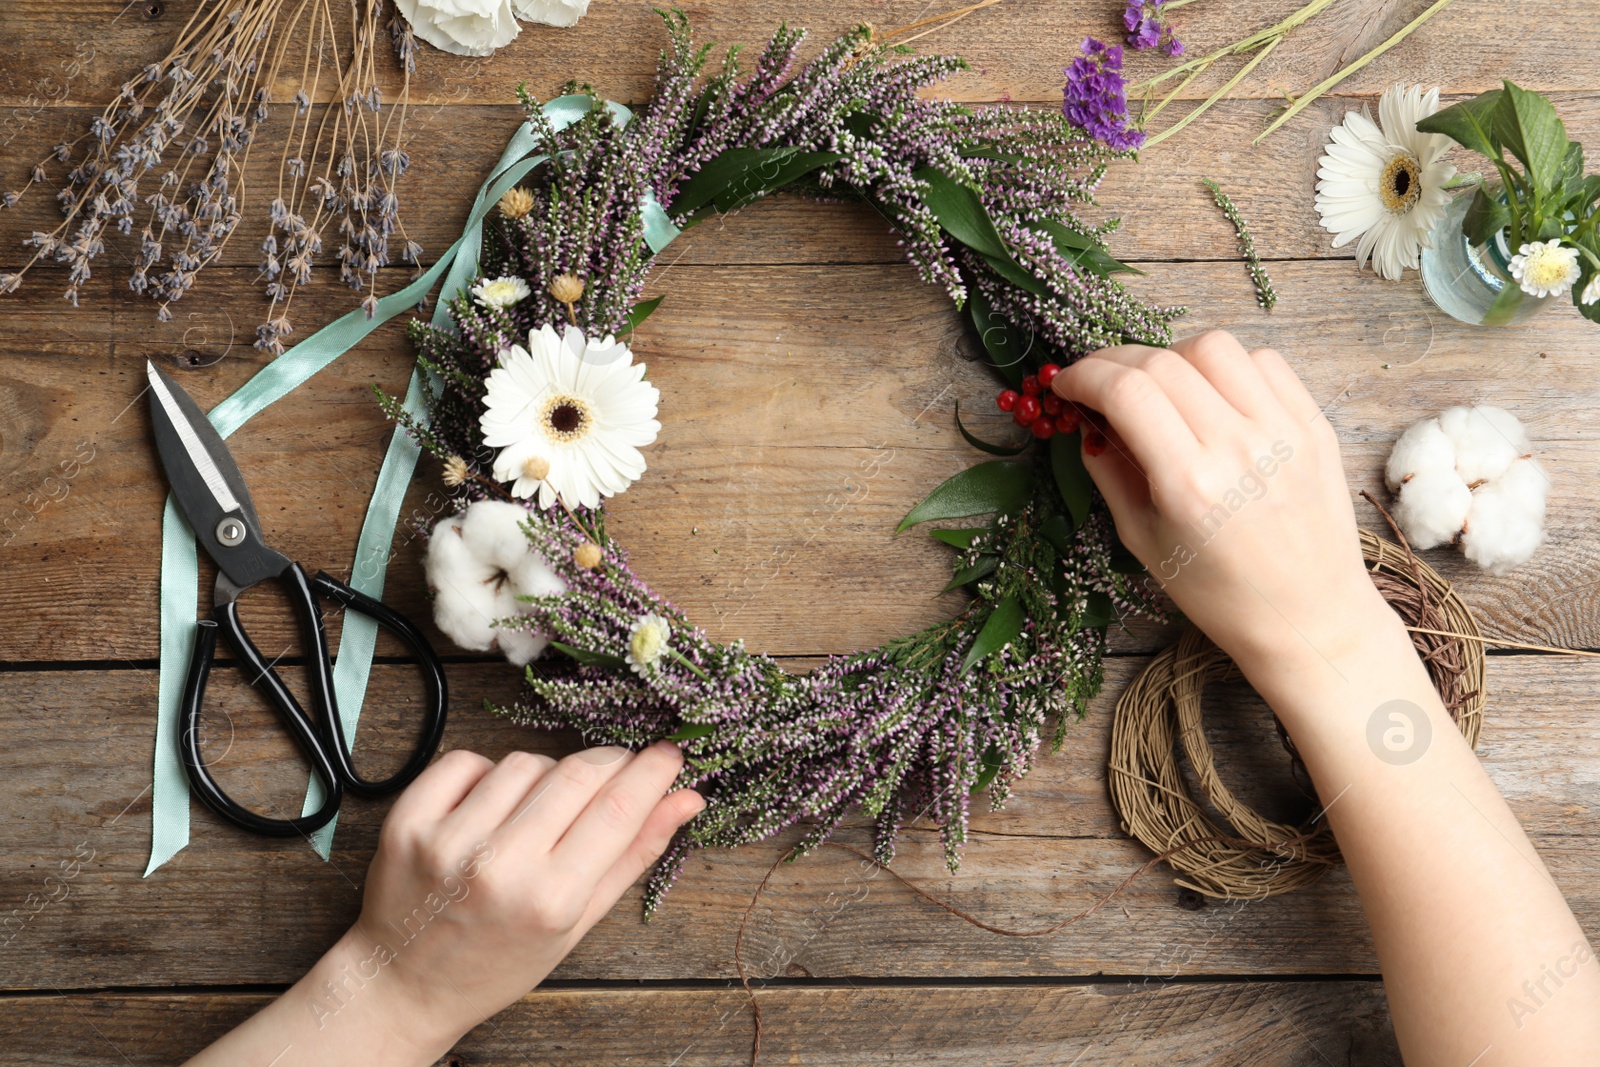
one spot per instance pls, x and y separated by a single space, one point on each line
1254 857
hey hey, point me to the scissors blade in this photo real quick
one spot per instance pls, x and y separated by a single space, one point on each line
207 484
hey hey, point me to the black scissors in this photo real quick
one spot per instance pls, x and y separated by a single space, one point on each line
212 496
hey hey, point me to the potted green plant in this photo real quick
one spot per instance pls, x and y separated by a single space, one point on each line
1516 243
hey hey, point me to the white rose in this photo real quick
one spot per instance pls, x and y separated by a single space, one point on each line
462 27
551 12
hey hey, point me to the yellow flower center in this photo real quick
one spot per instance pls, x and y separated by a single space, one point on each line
1546 268
648 642
566 418
500 291
1400 184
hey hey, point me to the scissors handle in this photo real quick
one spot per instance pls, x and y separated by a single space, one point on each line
321 740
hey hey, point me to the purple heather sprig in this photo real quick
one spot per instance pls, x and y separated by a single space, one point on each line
1096 96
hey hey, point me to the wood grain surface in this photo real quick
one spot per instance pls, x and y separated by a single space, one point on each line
808 382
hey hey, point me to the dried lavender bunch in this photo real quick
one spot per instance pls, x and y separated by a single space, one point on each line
185 126
1266 295
911 729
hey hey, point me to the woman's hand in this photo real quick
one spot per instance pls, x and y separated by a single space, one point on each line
1224 480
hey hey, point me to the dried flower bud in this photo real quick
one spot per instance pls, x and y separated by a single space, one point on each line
516 202
455 471
566 287
535 467
587 555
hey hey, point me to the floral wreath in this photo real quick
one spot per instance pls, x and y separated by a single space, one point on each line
539 412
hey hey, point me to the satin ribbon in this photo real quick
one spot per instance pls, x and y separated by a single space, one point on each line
180 572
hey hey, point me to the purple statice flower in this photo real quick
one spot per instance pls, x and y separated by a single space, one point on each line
1147 27
1096 97
1173 47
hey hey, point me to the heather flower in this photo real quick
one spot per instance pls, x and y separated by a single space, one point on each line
647 642
1095 98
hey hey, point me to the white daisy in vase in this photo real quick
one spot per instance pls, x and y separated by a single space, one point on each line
568 416
1385 185
1546 268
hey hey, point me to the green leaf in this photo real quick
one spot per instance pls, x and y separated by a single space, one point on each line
984 446
1058 531
1123 561
991 767
641 311
1470 124
1098 611
999 486
1017 275
1082 250
959 538
740 175
1066 463
960 211
1486 216
1527 124
692 731
1504 306
1002 627
967 575
588 658
1002 340
1590 241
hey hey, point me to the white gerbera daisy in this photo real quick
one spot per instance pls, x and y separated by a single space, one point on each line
1546 268
647 642
1385 186
1591 292
569 416
500 292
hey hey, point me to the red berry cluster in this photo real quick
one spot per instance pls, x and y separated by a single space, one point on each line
1037 409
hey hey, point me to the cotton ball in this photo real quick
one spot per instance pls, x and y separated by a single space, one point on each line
463 587
1486 438
492 529
1506 523
1424 448
522 647
1432 507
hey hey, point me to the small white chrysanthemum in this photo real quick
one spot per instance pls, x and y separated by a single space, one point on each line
500 292
1591 292
1385 186
647 643
1545 268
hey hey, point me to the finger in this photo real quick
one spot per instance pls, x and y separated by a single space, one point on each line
1121 482
438 790
1155 434
1286 384
670 813
498 794
1208 412
557 798
602 833
1223 362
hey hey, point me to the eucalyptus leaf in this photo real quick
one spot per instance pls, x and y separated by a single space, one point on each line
1469 123
1001 340
961 212
1002 627
1527 124
984 446
959 538
589 658
967 575
692 731
1066 463
1486 216
1000 487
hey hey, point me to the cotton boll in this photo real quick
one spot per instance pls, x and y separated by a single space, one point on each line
1487 439
463 588
492 530
1423 448
478 563
533 577
522 647
1506 522
1432 507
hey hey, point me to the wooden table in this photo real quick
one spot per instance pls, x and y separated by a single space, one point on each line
808 380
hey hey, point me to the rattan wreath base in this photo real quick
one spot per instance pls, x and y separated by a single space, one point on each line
1253 857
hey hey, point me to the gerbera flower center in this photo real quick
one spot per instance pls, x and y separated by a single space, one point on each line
1400 184
566 417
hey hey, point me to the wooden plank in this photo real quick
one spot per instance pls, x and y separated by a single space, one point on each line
1167 214
1273 1024
75 769
80 54
758 503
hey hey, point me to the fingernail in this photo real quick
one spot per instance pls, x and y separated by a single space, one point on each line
604 756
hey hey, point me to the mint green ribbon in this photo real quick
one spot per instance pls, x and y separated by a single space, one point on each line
180 571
